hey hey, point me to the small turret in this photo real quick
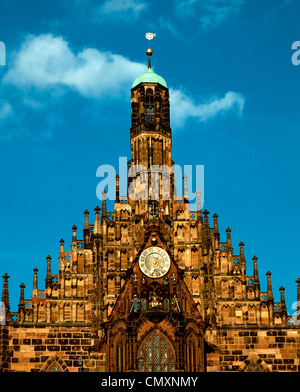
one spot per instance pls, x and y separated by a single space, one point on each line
35 283
5 295
283 310
21 306
206 231
229 244
97 220
62 250
242 254
216 231
269 287
74 234
298 300
104 204
256 282
186 193
282 298
86 230
199 215
117 188
216 226
86 220
48 273
74 238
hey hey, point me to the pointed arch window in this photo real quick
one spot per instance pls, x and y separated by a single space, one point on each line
253 367
54 365
156 354
55 368
191 356
254 364
121 355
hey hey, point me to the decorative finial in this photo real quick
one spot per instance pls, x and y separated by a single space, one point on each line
149 51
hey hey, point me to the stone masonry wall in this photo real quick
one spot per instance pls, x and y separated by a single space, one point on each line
259 350
36 349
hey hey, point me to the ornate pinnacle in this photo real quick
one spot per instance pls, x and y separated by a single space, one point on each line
228 231
255 269
282 298
21 302
48 273
5 294
86 219
35 283
269 287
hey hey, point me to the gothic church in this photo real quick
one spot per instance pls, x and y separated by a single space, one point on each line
150 286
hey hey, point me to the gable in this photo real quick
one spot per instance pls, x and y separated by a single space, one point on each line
165 294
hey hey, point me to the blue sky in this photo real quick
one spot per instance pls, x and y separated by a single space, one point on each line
65 110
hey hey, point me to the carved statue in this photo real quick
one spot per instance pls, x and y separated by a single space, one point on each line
135 304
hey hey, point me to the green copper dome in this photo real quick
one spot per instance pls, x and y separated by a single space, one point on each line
149 77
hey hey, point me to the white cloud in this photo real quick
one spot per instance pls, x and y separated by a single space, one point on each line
184 107
6 110
116 6
46 62
210 13
46 66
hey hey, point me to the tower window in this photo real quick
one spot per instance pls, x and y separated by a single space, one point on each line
149 106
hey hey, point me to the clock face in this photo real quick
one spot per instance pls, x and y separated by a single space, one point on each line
154 262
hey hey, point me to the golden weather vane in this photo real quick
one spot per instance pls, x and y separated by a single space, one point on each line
149 51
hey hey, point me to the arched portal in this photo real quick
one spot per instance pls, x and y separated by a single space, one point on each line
156 354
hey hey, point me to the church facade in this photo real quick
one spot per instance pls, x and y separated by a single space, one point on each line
150 286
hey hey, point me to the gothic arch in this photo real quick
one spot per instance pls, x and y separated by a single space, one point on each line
55 364
254 364
192 352
194 347
156 353
146 327
119 348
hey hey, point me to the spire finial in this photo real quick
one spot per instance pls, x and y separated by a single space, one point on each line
149 51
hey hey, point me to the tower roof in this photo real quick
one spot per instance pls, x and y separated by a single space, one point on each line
149 77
